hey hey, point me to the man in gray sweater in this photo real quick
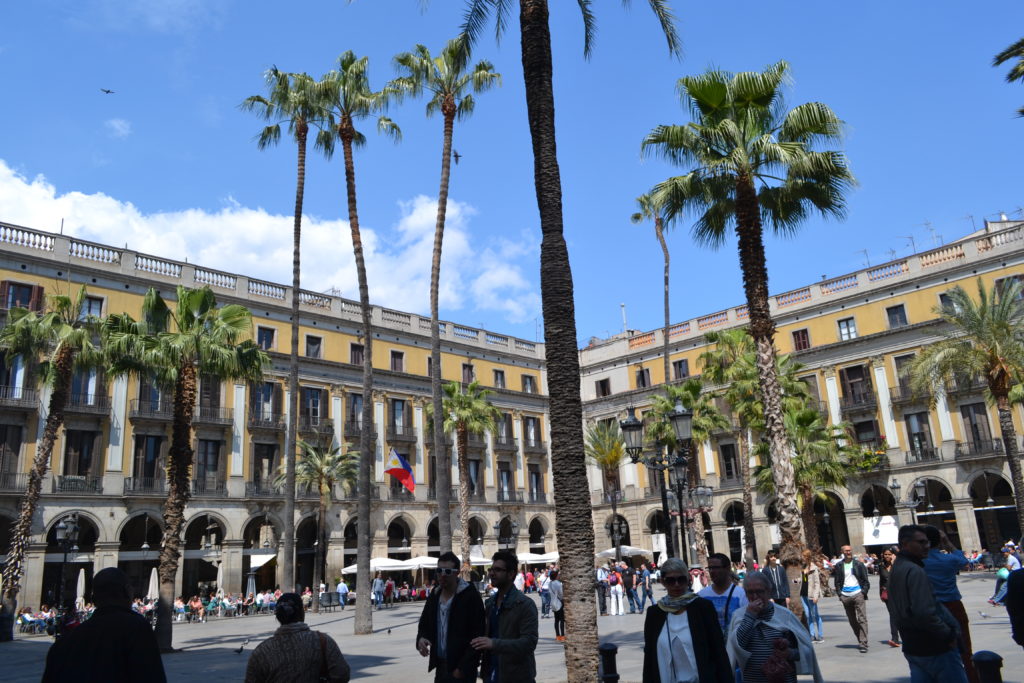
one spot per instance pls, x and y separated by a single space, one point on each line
930 633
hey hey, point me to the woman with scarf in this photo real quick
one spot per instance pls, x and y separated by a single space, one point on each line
295 653
683 642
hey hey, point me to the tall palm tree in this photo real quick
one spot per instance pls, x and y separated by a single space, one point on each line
983 338
1016 73
648 209
707 419
178 345
572 510
50 345
753 161
449 81
465 412
321 467
348 99
606 449
820 461
293 99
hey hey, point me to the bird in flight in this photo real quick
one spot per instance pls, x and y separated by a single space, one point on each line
457 157
106 92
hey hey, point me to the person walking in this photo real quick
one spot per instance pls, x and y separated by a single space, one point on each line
942 565
930 633
615 586
646 593
511 627
628 586
601 585
342 593
766 642
810 594
452 616
681 641
776 575
852 584
296 653
724 593
1010 564
557 606
378 591
114 644
884 572
544 588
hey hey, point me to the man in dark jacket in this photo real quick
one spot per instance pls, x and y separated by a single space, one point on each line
776 575
929 631
451 618
115 644
851 580
511 628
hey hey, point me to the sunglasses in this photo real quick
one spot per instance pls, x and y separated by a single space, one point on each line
674 580
446 571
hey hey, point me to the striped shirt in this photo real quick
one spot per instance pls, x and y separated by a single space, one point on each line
756 637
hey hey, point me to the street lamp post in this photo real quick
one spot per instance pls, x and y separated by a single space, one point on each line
67 539
615 530
919 493
633 435
506 541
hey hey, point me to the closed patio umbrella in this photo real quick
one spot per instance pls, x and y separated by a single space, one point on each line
153 592
80 590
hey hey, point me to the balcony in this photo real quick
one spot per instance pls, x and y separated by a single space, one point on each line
901 394
859 402
77 483
476 495
506 444
536 498
18 398
960 386
88 404
652 492
208 487
535 446
400 494
476 440
354 430
213 415
401 433
453 493
144 486
988 448
606 497
267 420
147 409
316 426
922 455
262 488
510 496
730 483
308 493
13 481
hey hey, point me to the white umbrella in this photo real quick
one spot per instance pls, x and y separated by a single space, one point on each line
476 560
422 562
80 590
549 557
626 550
382 564
220 578
153 592
250 588
530 558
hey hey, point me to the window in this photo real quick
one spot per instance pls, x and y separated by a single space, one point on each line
265 338
499 379
730 467
265 400
603 387
430 366
920 435
811 382
10 447
1003 284
531 430
79 452
680 369
801 340
264 465
11 375
397 361
355 409
529 384
399 417
355 354
92 306
536 482
976 428
147 456
856 385
946 303
903 370
311 405
467 373
475 487
209 392
643 378
866 432
897 316
503 429
505 481
314 346
207 461
84 387
16 294
847 329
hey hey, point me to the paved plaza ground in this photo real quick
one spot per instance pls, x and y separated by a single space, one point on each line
389 654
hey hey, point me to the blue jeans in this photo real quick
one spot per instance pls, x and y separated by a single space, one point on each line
813 618
645 595
378 598
944 668
633 600
545 602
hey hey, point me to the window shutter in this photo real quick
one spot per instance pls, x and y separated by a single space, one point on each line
70 452
4 289
277 398
36 301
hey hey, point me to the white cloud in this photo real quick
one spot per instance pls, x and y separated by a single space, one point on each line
256 243
118 128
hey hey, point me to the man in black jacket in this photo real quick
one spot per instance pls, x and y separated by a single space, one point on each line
851 579
929 631
776 575
115 644
453 616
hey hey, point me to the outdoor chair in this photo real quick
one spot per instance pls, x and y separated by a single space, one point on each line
325 601
335 600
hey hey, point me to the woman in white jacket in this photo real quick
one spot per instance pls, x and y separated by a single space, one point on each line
557 608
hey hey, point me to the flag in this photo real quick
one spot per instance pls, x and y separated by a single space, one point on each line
399 468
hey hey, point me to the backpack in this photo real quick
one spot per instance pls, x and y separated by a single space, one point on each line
613 579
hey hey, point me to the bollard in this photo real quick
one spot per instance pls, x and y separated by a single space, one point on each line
610 672
988 664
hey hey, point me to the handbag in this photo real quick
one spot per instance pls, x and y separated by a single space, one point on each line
884 594
324 677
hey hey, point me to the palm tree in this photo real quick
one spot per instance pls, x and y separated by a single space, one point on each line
321 467
178 345
349 98
293 98
606 449
447 79
572 509
649 210
707 419
465 412
820 461
65 340
983 338
1015 51
751 161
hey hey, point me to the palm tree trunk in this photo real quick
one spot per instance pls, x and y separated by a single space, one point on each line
179 467
659 230
21 532
810 525
442 476
572 501
762 330
749 542
464 484
364 615
1012 456
288 567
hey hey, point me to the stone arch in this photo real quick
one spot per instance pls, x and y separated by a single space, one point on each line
83 516
141 525
399 535
624 529
434 537
995 512
477 530
936 506
88 532
877 500
507 528
655 521
261 530
406 519
830 519
537 532
193 536
732 512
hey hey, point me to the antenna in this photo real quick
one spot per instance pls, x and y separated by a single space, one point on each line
892 254
913 244
971 219
623 308
866 259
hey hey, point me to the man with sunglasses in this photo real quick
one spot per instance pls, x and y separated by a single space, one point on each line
452 617
511 627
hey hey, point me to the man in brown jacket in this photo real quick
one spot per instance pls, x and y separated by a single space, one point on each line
511 628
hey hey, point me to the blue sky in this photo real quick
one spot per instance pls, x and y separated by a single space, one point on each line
167 164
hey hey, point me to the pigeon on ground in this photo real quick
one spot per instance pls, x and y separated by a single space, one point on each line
984 616
242 646
389 632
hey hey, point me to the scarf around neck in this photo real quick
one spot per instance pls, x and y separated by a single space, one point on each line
674 605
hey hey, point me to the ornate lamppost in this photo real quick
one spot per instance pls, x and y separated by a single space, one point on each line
633 435
915 497
616 529
67 538
505 541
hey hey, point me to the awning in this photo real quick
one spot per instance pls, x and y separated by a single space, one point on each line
257 561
